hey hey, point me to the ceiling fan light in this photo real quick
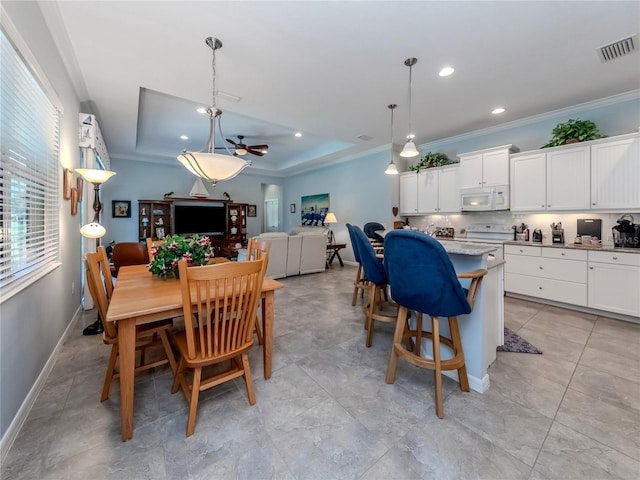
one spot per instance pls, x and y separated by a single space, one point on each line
409 150
241 151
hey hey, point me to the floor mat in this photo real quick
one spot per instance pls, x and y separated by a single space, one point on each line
515 343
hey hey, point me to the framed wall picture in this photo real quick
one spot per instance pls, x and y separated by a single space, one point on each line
121 208
67 183
292 208
251 210
313 209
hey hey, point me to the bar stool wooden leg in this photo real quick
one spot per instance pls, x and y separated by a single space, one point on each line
401 327
463 379
437 372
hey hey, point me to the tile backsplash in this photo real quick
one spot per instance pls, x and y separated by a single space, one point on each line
542 221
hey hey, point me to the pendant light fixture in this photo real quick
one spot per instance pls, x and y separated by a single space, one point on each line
391 169
210 166
410 149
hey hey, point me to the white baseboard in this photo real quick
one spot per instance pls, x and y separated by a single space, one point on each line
18 421
476 384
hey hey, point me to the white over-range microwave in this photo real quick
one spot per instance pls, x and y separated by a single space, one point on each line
485 199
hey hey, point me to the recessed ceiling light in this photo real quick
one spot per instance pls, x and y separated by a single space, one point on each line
298 134
446 71
202 110
184 137
498 110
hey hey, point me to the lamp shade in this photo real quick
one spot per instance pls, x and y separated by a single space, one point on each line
94 175
330 218
409 149
391 169
93 230
212 167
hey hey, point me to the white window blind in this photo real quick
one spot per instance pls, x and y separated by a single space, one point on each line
29 171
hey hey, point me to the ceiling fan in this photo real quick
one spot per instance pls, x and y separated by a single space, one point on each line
243 149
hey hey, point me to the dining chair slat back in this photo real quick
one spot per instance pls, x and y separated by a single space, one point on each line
219 305
152 246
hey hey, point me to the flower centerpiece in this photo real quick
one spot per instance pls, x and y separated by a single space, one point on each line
196 250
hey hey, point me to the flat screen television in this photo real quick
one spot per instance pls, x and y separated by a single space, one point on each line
199 219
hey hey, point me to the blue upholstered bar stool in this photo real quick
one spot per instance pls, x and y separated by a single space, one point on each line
378 306
360 283
422 279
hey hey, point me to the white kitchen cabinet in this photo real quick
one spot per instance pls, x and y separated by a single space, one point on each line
408 193
528 185
485 168
614 282
434 190
547 273
438 190
551 180
615 173
568 178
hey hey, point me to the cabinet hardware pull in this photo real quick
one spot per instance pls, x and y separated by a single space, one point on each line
593 204
562 254
590 268
539 288
542 206
540 268
615 258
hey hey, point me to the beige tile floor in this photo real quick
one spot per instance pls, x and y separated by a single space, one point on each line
571 413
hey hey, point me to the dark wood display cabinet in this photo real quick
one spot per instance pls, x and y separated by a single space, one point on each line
155 219
223 221
236 224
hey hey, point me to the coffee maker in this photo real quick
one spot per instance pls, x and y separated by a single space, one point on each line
626 234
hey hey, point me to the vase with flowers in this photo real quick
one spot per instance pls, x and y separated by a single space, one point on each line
196 250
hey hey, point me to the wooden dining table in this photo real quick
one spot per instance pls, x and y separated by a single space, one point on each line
140 297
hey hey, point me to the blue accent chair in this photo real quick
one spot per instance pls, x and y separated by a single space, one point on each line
360 283
378 306
370 231
422 278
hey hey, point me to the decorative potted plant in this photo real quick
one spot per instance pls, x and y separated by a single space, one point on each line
573 131
429 160
196 250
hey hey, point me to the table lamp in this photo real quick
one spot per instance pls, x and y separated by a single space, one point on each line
329 219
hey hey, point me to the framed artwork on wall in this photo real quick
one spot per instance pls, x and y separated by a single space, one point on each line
74 200
121 208
251 210
313 209
79 187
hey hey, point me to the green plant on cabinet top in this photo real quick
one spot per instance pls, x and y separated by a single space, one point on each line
573 131
429 160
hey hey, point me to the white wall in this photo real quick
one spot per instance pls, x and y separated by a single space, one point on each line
34 320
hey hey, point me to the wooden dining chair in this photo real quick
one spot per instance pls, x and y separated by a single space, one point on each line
152 245
98 278
128 253
256 250
225 299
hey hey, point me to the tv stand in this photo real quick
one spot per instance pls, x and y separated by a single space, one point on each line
156 219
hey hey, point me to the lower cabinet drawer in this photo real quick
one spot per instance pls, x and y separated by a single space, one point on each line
555 269
557 290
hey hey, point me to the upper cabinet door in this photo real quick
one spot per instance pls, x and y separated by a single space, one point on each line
495 168
615 174
568 179
428 190
448 190
528 183
471 170
408 193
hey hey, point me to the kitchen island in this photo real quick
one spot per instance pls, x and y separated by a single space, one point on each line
482 330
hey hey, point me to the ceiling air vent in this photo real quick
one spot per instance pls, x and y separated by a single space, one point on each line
618 49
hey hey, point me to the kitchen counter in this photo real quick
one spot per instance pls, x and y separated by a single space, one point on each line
462 248
575 246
